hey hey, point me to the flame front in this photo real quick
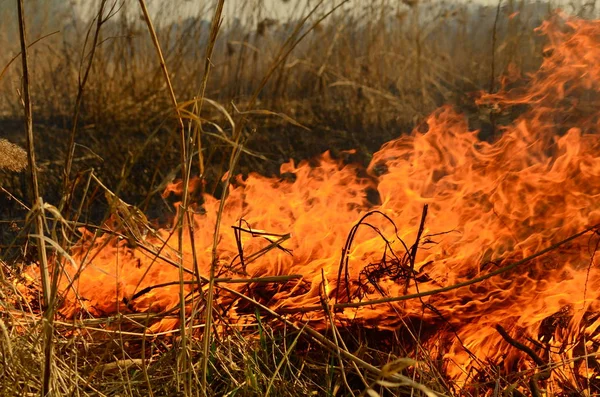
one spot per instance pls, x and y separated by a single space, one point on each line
489 204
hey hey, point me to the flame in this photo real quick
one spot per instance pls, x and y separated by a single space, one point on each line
489 204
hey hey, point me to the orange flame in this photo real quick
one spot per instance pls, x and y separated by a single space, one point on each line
489 204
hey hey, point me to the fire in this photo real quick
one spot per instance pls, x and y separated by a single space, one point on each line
488 204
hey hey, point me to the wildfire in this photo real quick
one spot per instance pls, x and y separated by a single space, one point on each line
489 204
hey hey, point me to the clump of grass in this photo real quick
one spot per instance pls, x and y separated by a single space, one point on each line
12 157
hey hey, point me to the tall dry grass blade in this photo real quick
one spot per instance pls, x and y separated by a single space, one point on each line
214 31
185 366
78 101
286 49
493 64
7 66
46 283
163 65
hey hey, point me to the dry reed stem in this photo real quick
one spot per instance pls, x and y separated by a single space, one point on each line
78 101
198 104
415 247
46 282
214 31
185 364
325 303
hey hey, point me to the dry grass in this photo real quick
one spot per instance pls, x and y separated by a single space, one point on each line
407 59
116 357
12 157
359 76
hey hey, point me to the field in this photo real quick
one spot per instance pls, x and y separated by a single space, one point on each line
290 198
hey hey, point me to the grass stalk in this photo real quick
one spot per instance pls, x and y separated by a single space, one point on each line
38 207
185 365
197 127
214 31
13 59
83 78
493 63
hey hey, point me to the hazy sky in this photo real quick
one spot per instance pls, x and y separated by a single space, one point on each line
171 10
276 9
46 14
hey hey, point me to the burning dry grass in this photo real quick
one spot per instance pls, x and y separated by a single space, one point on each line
467 266
117 356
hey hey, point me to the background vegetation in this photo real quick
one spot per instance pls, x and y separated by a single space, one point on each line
368 73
